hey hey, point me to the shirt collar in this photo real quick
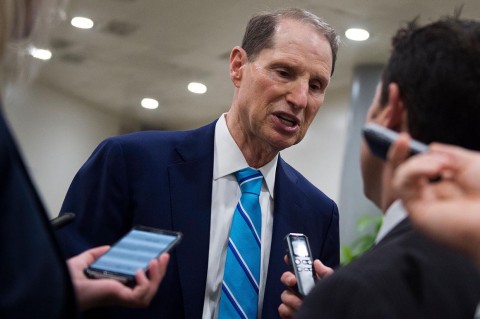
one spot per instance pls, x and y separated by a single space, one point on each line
228 158
393 216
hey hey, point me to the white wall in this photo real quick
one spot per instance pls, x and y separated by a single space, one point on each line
319 157
56 134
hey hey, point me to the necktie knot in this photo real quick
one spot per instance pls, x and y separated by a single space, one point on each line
250 180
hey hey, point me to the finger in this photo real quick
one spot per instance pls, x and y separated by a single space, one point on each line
419 169
285 312
399 151
141 277
158 268
455 156
163 261
146 288
321 270
95 253
86 258
288 279
141 293
450 149
291 300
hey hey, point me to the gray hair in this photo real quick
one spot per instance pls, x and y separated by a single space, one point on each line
260 30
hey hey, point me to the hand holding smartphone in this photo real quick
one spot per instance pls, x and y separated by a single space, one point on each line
132 252
379 140
301 261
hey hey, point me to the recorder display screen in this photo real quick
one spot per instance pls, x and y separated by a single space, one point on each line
299 247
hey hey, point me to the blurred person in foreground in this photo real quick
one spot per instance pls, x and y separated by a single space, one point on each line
430 89
447 210
185 180
35 280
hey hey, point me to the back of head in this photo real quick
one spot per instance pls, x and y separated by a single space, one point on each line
260 30
437 68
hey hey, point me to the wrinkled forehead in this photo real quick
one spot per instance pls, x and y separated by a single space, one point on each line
292 32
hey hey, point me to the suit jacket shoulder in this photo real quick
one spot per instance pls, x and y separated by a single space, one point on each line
405 276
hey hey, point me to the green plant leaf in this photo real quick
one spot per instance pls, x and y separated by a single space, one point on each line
369 226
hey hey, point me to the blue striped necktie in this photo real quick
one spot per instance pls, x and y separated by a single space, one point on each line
239 297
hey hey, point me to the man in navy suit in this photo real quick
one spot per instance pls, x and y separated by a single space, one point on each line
430 89
184 180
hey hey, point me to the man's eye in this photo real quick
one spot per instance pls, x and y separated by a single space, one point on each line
315 87
283 73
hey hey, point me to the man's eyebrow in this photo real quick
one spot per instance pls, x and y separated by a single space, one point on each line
322 79
285 65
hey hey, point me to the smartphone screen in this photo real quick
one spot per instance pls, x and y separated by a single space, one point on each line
134 251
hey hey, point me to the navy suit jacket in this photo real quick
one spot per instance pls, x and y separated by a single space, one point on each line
406 275
164 179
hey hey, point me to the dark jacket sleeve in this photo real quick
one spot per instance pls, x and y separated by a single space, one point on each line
344 296
99 198
34 281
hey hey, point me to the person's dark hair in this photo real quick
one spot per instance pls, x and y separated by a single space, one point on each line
260 31
437 69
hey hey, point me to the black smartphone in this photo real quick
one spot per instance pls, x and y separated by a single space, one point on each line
133 251
301 261
380 138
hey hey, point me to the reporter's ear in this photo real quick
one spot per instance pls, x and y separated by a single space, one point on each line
396 118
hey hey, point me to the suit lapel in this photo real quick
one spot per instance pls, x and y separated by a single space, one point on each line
286 201
402 228
191 191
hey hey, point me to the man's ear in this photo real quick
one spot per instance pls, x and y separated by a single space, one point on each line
238 59
397 113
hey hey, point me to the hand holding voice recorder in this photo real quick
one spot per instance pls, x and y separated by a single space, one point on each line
132 252
301 260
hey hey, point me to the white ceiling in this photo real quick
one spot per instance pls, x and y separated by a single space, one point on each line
154 48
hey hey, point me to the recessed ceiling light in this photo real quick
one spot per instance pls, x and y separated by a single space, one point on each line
149 103
41 54
82 23
357 34
197 88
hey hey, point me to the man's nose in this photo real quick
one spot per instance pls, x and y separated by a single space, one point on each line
298 93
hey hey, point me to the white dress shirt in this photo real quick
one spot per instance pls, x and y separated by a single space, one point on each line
226 192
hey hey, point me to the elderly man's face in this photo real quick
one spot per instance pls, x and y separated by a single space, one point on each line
280 92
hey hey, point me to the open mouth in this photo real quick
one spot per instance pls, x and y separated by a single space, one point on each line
288 121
